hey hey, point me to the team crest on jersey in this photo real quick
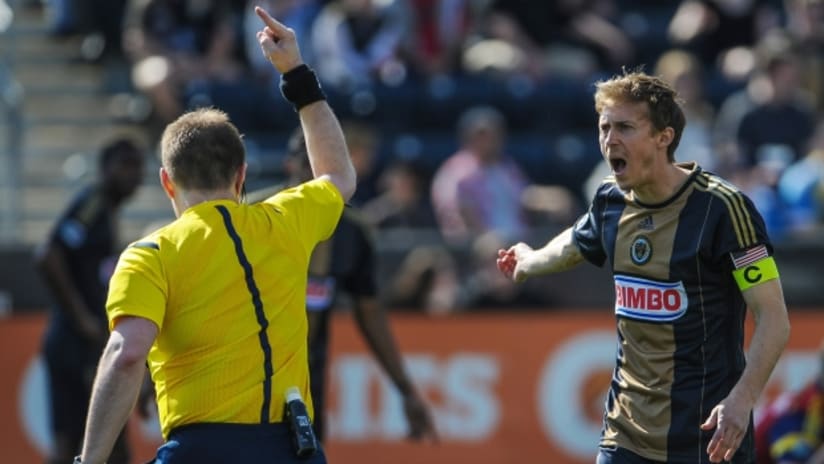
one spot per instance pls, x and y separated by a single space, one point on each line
649 300
641 250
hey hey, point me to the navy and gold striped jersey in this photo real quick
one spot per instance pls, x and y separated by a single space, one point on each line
680 313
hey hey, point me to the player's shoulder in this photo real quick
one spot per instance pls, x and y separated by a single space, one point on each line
86 204
714 184
260 195
735 200
608 188
159 239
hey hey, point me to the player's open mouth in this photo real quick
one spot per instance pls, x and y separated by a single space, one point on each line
618 166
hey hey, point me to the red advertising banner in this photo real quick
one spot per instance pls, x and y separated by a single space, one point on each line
504 388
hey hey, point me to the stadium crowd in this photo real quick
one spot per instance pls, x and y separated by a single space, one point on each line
455 110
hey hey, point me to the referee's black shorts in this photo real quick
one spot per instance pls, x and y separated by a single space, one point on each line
232 444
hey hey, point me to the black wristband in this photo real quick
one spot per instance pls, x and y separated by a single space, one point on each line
300 87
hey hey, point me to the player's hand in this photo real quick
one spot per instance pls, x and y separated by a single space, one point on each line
420 422
510 261
278 43
730 420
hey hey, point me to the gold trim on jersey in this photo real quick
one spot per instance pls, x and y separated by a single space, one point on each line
739 214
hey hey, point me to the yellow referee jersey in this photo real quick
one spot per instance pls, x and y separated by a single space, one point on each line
226 285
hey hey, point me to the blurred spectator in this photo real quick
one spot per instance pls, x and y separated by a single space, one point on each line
427 279
363 143
474 190
715 29
685 73
178 46
776 130
801 187
791 431
440 30
100 21
728 118
571 37
805 23
403 200
76 263
297 14
356 43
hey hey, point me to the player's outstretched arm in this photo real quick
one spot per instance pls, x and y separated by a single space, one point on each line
325 142
521 261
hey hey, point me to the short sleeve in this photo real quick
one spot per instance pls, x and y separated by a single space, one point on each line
313 208
587 231
138 287
740 228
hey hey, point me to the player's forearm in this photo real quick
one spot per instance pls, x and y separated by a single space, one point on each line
52 267
560 254
772 329
374 325
114 394
325 144
326 147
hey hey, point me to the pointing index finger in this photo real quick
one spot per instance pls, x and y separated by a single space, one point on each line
272 23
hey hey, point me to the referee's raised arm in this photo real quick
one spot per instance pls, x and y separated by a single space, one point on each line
325 143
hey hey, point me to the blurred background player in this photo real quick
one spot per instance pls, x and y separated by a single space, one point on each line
345 265
76 262
791 430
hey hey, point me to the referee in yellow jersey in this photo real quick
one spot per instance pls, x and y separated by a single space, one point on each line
215 302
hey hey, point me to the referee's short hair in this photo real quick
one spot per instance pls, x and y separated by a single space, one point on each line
202 150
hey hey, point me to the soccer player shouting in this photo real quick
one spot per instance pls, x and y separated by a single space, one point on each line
689 253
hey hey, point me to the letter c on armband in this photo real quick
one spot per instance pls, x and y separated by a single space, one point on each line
752 274
756 273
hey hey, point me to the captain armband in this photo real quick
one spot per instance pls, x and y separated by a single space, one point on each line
753 274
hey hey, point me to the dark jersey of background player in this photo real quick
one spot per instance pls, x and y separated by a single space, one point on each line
342 264
680 316
76 262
